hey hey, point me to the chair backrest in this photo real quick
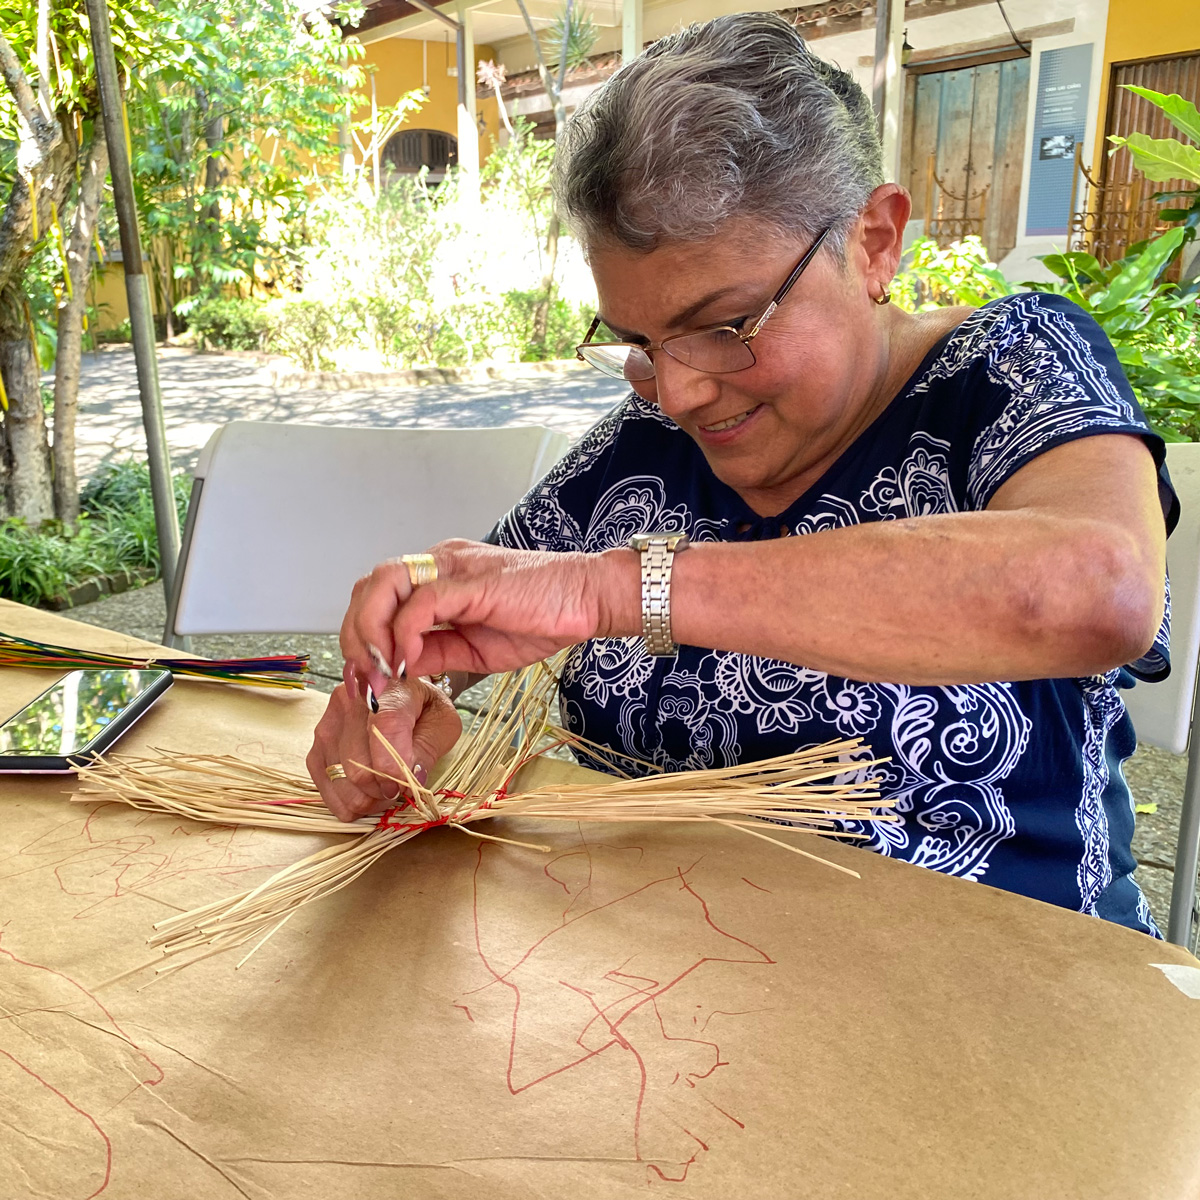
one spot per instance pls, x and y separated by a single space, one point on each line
284 518
1162 712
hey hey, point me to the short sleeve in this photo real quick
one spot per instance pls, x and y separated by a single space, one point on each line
1055 377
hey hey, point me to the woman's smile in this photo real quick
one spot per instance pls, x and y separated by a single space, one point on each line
721 433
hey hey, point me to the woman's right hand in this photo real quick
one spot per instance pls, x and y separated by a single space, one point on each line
417 719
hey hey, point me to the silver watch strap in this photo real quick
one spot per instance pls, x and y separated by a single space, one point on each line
658 552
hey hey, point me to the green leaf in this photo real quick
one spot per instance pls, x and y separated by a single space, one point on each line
1147 809
1138 277
1162 158
1077 262
1182 113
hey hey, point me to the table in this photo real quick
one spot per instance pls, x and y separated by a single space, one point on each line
688 1013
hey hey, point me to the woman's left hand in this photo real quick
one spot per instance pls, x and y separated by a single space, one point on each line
506 609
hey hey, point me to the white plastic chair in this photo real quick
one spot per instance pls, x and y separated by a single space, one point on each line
284 518
1167 714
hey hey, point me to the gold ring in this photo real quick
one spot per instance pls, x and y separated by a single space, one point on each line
421 568
335 771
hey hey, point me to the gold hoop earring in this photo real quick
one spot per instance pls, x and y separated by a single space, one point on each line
884 297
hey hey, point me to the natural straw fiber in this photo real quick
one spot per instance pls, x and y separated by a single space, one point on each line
810 791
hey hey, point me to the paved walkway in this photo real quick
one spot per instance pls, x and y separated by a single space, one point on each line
203 391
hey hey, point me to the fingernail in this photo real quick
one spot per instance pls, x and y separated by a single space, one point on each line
372 703
350 679
421 774
402 670
380 662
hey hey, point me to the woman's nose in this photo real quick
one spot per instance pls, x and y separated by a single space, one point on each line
680 389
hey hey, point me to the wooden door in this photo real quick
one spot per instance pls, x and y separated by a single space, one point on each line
1125 210
964 142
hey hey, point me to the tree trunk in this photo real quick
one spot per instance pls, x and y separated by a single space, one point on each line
541 314
214 174
70 327
27 490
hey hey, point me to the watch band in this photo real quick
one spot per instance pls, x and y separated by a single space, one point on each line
658 552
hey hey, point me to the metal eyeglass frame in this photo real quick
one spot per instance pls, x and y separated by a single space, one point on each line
745 338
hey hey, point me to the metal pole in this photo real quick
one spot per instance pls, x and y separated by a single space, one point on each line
1187 849
460 59
879 74
137 290
631 30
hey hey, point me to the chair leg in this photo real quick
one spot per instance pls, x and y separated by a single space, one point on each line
1187 851
170 637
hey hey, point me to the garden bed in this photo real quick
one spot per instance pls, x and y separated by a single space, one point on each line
111 548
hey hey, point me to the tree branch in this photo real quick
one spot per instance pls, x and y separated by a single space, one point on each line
543 70
43 58
566 42
18 85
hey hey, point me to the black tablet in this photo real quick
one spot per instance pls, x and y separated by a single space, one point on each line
80 716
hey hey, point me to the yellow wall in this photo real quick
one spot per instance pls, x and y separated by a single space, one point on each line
1145 29
108 290
396 65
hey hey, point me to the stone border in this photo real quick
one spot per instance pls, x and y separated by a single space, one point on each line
90 590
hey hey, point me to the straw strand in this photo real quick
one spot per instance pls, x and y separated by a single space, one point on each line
817 790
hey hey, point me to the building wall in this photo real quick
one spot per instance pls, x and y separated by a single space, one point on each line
1145 29
397 66
107 292
1058 23
401 65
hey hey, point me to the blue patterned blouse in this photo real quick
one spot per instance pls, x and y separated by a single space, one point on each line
1018 785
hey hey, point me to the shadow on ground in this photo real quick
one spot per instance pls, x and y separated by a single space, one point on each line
201 392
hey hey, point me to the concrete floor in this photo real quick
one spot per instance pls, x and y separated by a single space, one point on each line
201 392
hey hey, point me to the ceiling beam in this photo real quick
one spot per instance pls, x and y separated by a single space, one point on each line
410 23
437 13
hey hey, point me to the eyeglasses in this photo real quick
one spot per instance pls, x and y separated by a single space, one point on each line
718 350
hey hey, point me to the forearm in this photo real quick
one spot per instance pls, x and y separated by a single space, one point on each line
956 598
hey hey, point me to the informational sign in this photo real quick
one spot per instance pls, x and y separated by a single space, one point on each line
1059 123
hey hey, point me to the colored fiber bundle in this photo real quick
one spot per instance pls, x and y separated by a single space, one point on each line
280 670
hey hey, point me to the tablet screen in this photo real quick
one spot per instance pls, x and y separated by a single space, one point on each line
73 713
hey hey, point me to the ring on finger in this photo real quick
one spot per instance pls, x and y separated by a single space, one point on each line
335 771
421 568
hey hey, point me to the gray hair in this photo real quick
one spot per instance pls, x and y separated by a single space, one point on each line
732 118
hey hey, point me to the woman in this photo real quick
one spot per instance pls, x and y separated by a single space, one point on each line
942 532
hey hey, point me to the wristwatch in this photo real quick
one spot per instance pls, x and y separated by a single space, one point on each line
658 552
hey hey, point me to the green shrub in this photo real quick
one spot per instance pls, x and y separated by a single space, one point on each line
1154 325
40 562
118 335
116 532
961 273
566 326
308 331
229 324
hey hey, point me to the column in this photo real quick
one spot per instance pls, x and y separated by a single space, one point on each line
468 127
631 29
